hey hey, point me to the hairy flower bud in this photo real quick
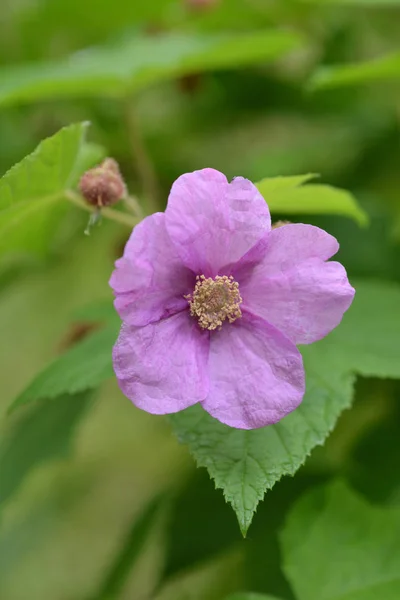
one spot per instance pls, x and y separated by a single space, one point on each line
103 185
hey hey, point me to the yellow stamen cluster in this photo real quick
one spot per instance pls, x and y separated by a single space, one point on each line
214 300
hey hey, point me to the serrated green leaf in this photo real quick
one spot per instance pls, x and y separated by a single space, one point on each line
287 195
83 367
361 553
140 61
31 192
380 69
247 463
42 434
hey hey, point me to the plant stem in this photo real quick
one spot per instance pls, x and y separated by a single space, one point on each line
134 206
109 213
141 158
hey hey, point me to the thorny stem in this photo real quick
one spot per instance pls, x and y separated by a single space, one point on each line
109 213
140 157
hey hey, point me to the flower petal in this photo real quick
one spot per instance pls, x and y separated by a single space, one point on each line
295 242
256 374
162 367
212 222
294 289
150 280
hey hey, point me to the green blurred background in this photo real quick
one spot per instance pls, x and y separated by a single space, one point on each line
68 499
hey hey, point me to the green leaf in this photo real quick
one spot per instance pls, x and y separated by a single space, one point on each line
361 553
140 61
287 195
247 463
31 192
42 434
273 185
380 69
83 367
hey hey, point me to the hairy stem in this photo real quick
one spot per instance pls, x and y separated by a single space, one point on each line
134 206
109 213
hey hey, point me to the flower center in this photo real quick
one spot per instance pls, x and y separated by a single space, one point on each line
214 300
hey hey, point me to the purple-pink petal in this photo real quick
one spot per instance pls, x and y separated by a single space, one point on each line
212 222
256 374
294 288
150 280
162 367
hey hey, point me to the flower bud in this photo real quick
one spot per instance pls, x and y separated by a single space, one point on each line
103 185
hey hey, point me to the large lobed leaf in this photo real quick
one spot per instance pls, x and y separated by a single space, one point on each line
31 192
247 463
139 61
361 541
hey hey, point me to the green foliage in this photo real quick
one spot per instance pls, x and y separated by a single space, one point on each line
42 434
247 463
385 68
288 195
81 368
338 547
31 193
140 61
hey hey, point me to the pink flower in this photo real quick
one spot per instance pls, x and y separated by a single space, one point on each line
213 303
